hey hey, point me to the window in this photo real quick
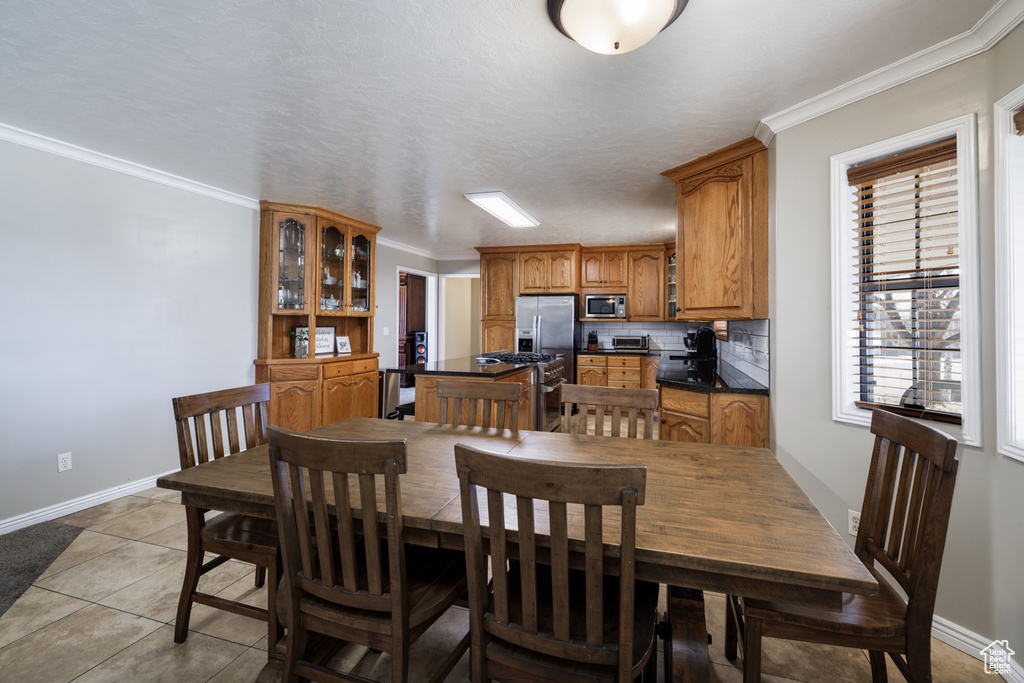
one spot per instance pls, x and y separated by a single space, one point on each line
904 281
1008 120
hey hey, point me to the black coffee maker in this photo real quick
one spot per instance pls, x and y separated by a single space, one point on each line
702 343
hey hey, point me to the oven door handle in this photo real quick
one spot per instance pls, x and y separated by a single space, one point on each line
548 388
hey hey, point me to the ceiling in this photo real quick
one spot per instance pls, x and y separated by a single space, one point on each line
391 110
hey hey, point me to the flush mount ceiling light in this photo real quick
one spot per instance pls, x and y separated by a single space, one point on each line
613 27
499 205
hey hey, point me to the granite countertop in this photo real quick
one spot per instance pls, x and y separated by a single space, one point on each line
620 352
701 375
462 367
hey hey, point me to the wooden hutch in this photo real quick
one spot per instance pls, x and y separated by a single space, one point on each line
316 274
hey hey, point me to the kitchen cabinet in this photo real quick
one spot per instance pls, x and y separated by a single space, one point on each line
316 271
722 418
592 371
623 371
646 279
722 234
649 372
499 285
349 390
603 269
553 271
498 335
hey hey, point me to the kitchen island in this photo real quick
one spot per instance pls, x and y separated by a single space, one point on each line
428 406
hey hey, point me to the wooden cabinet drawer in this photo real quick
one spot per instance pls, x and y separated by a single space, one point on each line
682 401
623 375
624 384
624 362
594 361
290 373
349 367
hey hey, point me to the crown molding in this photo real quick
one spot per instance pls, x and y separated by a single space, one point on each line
989 30
28 139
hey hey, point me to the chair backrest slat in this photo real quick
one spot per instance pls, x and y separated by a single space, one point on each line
560 485
614 400
906 507
498 399
322 559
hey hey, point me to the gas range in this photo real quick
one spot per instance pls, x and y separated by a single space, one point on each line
550 370
505 357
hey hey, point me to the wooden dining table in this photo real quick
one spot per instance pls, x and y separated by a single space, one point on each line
716 518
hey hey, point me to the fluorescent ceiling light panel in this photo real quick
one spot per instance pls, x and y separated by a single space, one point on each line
500 206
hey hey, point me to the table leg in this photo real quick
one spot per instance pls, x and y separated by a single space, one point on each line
686 655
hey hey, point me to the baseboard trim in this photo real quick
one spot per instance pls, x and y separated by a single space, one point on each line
970 643
70 506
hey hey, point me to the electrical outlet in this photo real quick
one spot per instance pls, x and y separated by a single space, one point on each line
854 519
386 331
64 462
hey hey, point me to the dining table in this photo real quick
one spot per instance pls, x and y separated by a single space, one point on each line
716 518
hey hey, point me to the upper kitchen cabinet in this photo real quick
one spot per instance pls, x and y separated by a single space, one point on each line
603 269
499 282
646 282
722 234
555 270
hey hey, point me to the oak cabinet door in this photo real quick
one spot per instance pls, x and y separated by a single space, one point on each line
499 275
680 427
561 271
592 377
294 405
336 399
646 277
592 269
649 372
498 335
739 420
532 272
363 392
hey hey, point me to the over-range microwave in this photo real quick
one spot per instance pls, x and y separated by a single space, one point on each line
604 306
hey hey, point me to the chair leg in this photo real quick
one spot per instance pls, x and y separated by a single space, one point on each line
400 660
193 570
296 647
731 626
275 630
261 576
878 672
650 674
752 651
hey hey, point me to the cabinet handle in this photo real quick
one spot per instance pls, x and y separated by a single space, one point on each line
662 420
678 309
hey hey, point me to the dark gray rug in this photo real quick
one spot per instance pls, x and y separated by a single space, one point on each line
26 553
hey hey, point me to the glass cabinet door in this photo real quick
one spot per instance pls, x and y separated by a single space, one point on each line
291 264
360 285
332 268
670 314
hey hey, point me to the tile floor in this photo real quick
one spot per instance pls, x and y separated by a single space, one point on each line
104 611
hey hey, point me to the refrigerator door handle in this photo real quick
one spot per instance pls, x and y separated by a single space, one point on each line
537 342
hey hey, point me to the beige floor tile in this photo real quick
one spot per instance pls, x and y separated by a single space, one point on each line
175 536
143 522
949 665
160 494
244 669
99 577
73 645
106 511
158 659
88 545
156 596
35 609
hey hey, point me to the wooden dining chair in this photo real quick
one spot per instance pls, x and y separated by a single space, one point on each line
347 571
208 428
498 398
616 399
902 535
553 614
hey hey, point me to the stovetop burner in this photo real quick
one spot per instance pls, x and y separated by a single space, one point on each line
521 357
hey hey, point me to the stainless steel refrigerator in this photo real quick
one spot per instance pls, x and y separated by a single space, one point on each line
548 324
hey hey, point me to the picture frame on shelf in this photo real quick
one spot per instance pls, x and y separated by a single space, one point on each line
324 342
343 345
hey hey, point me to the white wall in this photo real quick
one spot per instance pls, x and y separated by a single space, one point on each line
389 261
460 310
118 293
980 588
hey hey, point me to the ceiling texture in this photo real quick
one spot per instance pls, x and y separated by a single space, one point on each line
391 110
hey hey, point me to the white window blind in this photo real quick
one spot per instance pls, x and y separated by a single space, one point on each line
907 283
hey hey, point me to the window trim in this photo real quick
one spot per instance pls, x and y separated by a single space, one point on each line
844 408
1009 436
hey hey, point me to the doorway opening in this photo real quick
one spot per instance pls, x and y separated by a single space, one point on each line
417 327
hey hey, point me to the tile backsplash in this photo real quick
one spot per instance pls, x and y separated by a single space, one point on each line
747 349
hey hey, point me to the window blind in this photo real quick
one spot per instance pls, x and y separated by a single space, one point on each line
907 282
